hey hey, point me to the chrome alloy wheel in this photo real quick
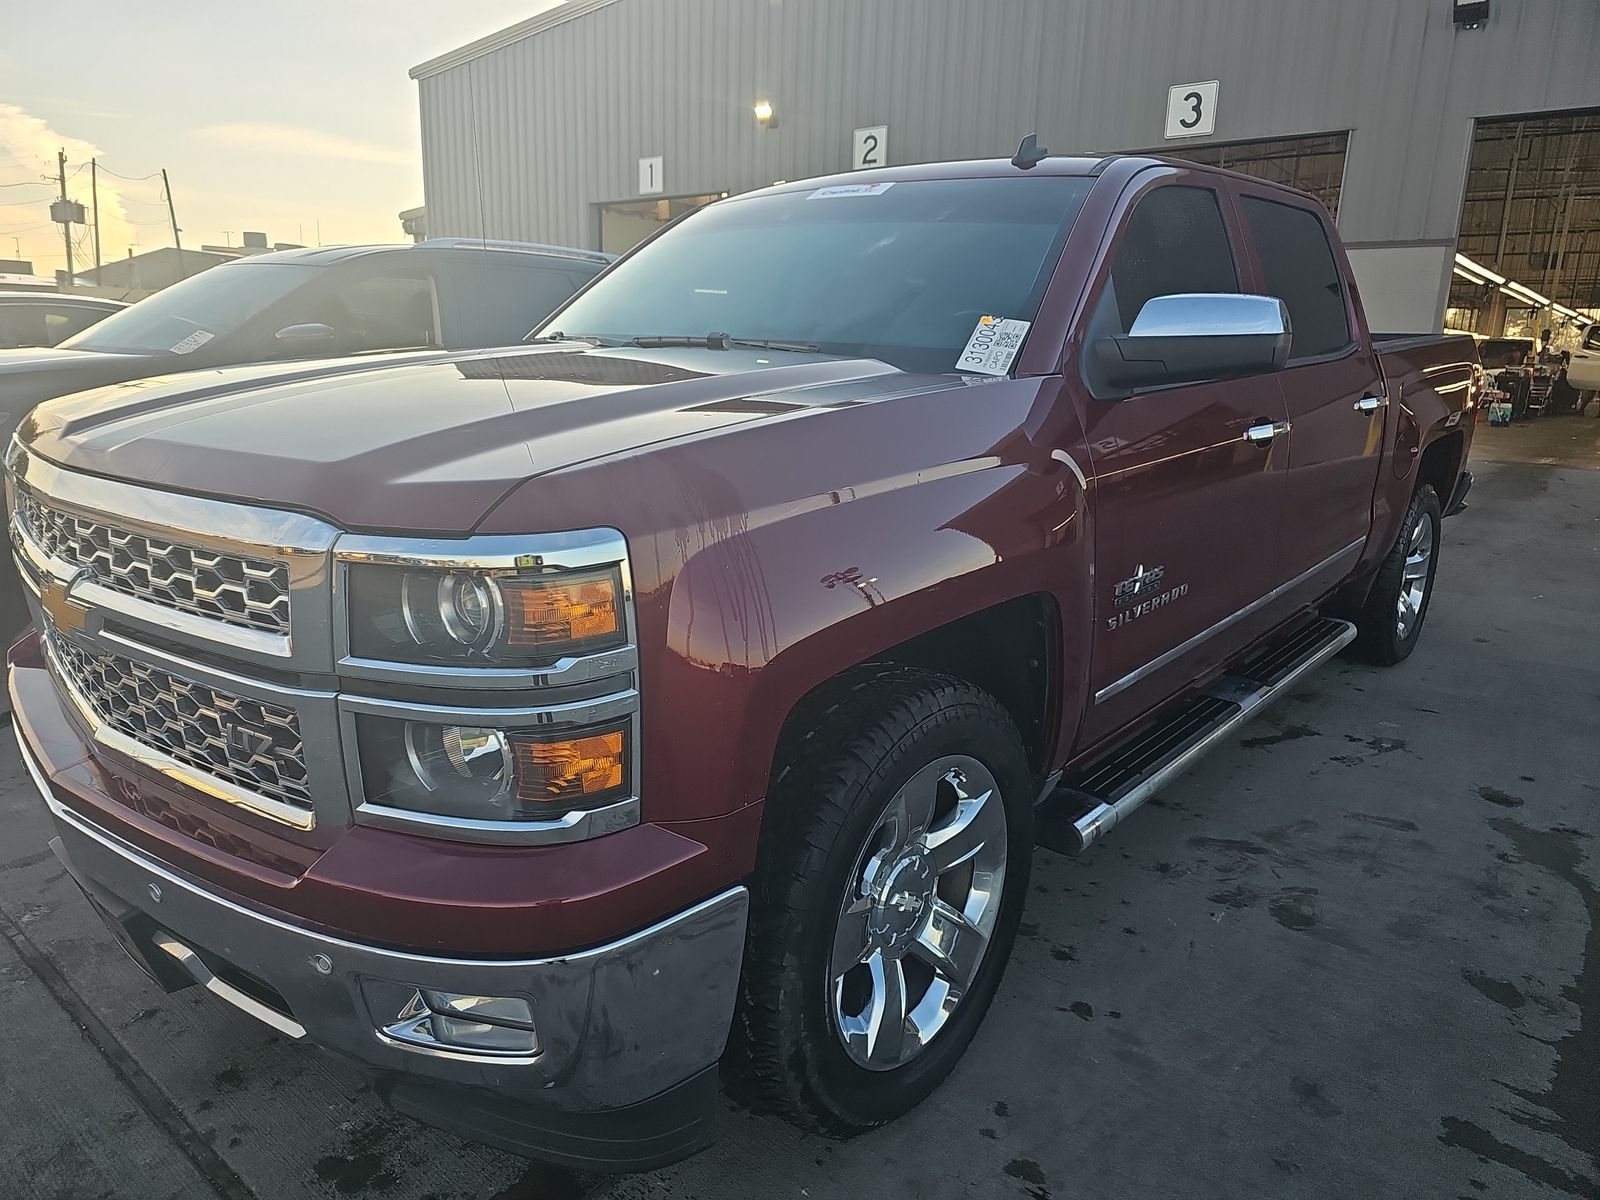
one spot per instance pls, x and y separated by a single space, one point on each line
1414 578
918 912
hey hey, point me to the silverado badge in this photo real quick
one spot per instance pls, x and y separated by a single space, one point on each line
1142 583
1141 593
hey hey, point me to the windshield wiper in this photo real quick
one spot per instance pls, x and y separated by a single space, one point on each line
558 336
721 341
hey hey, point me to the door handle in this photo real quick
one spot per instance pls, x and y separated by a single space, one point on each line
1263 432
1369 404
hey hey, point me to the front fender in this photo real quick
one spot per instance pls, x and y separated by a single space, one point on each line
758 620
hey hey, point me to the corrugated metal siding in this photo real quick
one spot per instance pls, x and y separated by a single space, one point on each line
524 140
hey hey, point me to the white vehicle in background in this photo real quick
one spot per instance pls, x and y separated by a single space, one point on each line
1583 372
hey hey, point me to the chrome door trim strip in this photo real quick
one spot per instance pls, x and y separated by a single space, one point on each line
1177 652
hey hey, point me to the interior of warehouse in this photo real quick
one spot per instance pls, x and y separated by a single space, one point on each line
1528 256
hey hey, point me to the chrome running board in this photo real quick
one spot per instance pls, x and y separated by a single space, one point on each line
1090 800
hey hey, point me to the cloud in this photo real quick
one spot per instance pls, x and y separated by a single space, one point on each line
28 146
308 143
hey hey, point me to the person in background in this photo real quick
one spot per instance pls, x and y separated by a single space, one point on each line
1562 394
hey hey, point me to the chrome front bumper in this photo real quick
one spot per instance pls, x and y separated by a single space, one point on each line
617 1025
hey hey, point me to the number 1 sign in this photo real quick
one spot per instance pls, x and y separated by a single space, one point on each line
1192 109
650 182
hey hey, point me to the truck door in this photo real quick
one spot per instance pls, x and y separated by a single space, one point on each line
1186 505
1332 389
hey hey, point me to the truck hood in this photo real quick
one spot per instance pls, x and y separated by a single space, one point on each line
433 443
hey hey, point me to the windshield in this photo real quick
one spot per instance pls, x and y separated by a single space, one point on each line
902 272
187 315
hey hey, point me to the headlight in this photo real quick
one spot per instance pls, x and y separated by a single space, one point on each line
507 618
488 774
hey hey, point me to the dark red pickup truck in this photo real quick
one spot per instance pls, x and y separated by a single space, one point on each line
539 729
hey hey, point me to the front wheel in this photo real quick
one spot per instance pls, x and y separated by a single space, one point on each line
893 872
1389 624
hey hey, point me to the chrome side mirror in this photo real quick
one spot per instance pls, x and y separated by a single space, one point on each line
1193 337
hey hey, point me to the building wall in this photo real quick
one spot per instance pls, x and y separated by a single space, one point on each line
523 139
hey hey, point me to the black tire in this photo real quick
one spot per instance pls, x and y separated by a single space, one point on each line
851 752
1379 638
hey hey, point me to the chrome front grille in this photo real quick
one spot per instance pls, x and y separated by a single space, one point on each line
247 743
249 592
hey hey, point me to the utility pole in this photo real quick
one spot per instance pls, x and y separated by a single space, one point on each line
173 217
66 226
94 188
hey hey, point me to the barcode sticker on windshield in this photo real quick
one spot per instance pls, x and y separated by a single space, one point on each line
992 346
193 342
850 189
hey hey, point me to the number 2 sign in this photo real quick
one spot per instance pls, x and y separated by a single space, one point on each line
1191 109
869 148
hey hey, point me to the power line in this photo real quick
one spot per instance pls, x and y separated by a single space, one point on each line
26 183
130 178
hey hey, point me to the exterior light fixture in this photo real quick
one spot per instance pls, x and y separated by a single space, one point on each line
1469 14
764 114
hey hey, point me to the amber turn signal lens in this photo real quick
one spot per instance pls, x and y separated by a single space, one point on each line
563 609
583 769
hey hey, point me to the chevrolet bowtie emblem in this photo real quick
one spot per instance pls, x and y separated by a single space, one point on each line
65 614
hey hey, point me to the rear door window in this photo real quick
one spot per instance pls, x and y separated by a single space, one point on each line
63 321
1174 242
21 325
1299 268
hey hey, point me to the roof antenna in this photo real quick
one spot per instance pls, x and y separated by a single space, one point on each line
1029 154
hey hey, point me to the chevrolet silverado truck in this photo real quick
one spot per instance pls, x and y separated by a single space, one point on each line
550 730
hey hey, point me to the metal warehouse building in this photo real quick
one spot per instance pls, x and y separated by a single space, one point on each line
1457 141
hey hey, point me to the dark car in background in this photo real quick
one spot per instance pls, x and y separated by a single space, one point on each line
451 294
316 303
34 318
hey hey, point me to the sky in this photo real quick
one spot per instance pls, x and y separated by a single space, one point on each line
287 117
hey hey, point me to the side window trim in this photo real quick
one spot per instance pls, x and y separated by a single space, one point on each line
1231 226
1258 274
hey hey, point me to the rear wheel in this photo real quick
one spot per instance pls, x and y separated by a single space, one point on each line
1390 622
893 872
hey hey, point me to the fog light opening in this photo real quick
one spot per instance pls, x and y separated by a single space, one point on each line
493 1026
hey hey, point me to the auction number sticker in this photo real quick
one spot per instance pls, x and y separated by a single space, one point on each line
850 189
992 346
193 342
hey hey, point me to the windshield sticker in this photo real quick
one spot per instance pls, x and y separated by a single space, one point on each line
850 189
992 346
193 342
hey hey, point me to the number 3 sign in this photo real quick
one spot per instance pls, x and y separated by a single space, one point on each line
1191 109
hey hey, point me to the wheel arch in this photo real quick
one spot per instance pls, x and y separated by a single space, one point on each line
1010 650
